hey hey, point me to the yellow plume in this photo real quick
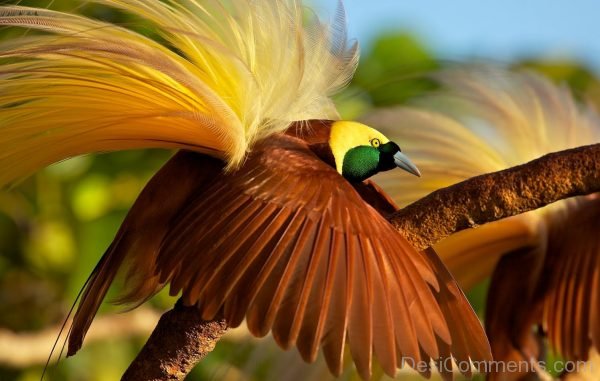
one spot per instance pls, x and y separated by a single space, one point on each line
486 120
229 74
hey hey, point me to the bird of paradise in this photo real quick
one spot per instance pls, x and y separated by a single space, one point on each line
545 264
266 212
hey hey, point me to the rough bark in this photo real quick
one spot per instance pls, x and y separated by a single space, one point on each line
502 194
181 338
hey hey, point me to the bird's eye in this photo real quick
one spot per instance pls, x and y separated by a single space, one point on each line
375 142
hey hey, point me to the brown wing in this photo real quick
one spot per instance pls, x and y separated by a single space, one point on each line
372 194
288 244
511 311
554 284
468 340
569 288
138 240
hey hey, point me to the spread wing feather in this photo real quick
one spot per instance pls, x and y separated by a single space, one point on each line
467 342
569 297
140 237
290 246
283 289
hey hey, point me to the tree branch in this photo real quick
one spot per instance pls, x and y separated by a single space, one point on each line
181 338
498 195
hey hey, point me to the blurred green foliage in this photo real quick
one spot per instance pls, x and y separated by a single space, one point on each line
55 225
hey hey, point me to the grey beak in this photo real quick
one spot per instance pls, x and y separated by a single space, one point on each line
402 161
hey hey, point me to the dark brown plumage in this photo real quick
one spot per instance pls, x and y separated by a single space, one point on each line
288 244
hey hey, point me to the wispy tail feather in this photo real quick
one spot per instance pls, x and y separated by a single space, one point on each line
99 282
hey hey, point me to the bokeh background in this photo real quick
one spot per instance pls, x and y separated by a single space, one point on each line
55 225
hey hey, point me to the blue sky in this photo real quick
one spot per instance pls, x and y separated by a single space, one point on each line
499 30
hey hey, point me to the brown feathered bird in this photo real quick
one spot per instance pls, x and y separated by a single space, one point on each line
544 265
259 217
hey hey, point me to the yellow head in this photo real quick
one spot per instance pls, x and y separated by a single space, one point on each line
361 151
